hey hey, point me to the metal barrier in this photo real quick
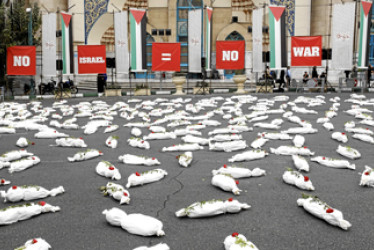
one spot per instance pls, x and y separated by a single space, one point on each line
352 84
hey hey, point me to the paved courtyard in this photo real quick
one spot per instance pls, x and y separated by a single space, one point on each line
274 221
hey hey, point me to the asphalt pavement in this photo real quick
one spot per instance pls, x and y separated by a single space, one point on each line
274 220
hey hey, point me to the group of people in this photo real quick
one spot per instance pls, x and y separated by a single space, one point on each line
285 77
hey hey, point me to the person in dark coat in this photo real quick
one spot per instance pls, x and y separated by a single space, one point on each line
314 73
281 79
370 68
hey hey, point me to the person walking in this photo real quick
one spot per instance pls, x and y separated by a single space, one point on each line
370 68
288 76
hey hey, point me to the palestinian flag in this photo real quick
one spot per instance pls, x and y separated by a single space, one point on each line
67 44
138 22
278 42
208 37
365 21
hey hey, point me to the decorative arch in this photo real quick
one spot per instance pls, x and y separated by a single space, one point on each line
234 36
234 27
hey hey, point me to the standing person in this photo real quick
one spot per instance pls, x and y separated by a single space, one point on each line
370 68
314 73
281 79
288 76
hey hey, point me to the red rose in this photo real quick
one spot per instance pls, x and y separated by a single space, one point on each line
235 234
125 194
81 138
225 166
305 147
33 158
366 173
14 187
54 131
237 182
41 203
33 143
174 145
233 134
329 210
153 158
323 158
108 126
306 178
111 168
137 174
177 156
109 142
2 181
100 152
34 241
142 141
343 133
230 200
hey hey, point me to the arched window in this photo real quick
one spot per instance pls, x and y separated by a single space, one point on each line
183 6
234 36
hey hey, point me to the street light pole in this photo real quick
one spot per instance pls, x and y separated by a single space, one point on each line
29 10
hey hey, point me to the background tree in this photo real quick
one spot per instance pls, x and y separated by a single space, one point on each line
14 26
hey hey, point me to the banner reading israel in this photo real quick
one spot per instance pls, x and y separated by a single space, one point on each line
230 54
21 60
91 59
166 56
306 51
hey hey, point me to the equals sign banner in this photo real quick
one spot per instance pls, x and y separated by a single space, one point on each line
165 56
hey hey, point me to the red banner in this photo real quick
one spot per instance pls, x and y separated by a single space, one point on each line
166 56
230 54
306 51
91 59
21 60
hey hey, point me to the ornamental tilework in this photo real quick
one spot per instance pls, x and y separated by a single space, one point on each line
93 10
290 13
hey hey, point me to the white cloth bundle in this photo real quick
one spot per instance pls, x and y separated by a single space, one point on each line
22 164
259 142
298 141
228 146
4 182
333 163
249 155
196 127
138 224
224 131
226 137
367 177
349 152
92 126
300 130
266 125
7 130
259 118
239 172
300 163
49 134
349 124
14 155
160 136
183 131
138 160
275 136
342 137
161 246
363 137
27 193
112 141
157 129
150 176
295 178
178 123
71 142
4 164
303 110
330 114
212 208
22 142
183 147
238 242
240 127
321 210
328 125
85 155
291 150
194 139
106 169
226 183
359 130
136 132
17 213
212 123
111 128
137 124
185 159
323 120
367 122
138 143
35 244
83 113
118 192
